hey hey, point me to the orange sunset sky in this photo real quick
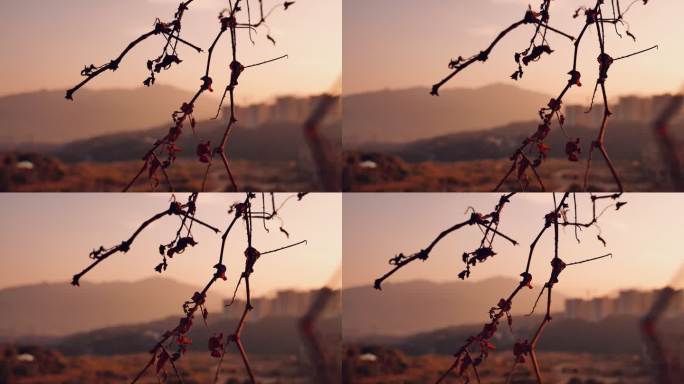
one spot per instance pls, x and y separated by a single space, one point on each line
45 45
47 238
407 43
644 237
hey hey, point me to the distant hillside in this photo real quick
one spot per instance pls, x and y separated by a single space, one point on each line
625 141
57 309
47 117
617 334
401 309
273 335
280 141
398 116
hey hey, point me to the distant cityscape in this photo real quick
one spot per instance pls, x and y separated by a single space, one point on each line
628 302
286 303
289 109
628 108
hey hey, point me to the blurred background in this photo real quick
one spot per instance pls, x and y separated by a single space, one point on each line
96 142
101 331
409 331
398 137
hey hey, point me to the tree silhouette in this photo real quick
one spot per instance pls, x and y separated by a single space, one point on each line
533 150
237 17
173 343
475 350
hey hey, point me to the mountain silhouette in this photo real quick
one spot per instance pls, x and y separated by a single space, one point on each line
617 334
633 142
401 309
46 117
58 309
399 116
273 141
270 335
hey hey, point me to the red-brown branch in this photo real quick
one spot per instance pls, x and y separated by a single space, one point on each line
464 360
533 150
160 354
162 154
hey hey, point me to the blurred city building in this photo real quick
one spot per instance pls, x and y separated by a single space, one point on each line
628 302
289 109
628 108
286 303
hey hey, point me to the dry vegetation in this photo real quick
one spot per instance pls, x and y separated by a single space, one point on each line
393 174
195 368
561 368
50 175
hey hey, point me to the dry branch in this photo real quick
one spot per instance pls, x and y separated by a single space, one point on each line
488 223
174 342
163 152
466 358
533 150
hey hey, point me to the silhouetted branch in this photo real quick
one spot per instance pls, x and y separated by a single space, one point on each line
489 223
251 257
464 360
162 153
171 31
538 19
177 337
533 150
186 211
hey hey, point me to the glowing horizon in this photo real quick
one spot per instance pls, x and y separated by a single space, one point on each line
402 43
81 222
411 221
83 32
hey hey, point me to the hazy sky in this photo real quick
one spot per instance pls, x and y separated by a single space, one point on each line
45 45
644 237
47 237
403 43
